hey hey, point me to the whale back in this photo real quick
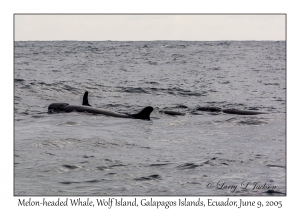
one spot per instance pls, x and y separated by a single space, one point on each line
209 109
242 112
173 113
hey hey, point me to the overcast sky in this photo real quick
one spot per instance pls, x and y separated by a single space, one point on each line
149 27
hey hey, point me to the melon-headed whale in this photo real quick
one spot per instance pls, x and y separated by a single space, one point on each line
86 107
229 111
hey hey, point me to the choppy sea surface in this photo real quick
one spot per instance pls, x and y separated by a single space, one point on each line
201 153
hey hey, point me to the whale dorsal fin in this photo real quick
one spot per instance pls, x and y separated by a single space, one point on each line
144 114
85 101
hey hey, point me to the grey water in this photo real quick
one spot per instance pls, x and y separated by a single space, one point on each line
201 153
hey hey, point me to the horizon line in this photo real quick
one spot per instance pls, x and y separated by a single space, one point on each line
221 40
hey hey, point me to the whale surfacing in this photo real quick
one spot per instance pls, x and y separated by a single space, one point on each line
65 107
242 112
209 109
229 111
173 113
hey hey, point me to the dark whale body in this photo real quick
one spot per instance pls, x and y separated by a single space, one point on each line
173 113
209 109
242 112
229 111
65 107
86 107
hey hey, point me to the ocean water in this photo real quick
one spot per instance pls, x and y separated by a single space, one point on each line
201 153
